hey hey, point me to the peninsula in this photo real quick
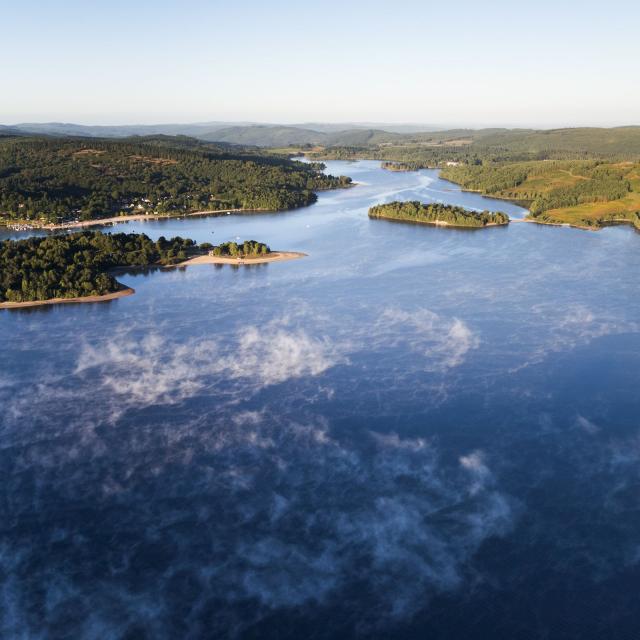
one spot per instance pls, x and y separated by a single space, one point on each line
78 267
437 214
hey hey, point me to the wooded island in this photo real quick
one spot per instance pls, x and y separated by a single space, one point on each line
437 214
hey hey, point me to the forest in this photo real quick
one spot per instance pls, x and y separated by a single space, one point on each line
59 179
436 213
77 264
547 186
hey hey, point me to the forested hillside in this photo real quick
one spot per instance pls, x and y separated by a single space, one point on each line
56 179
583 193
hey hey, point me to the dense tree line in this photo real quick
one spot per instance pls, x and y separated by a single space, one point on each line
60 179
248 249
414 211
403 166
77 264
490 179
438 155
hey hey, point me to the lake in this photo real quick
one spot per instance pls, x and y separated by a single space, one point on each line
413 432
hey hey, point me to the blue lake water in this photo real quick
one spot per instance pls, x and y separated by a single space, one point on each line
413 432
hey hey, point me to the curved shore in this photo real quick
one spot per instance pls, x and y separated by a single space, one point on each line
100 222
440 223
273 256
121 293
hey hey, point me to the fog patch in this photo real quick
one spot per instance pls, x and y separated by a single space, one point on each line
280 515
151 370
276 354
587 425
155 370
443 343
570 327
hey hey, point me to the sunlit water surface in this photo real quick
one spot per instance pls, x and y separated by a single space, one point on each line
413 432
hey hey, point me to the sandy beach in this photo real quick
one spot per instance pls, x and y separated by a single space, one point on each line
274 256
127 291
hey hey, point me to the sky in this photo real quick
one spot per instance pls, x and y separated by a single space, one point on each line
463 63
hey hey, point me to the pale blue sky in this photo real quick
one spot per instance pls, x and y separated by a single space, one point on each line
543 63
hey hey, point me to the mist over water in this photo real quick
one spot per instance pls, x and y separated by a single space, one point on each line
412 432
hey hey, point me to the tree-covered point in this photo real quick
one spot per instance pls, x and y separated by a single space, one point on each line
66 178
435 213
77 264
248 249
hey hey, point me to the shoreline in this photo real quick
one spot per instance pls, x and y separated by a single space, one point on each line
560 224
121 293
273 256
442 223
101 222
584 227
113 220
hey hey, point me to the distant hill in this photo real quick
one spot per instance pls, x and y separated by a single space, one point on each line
265 136
243 133
118 131
510 143
284 136
348 126
591 140
10 131
363 137
246 134
613 141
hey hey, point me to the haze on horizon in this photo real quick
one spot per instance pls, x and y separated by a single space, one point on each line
545 64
